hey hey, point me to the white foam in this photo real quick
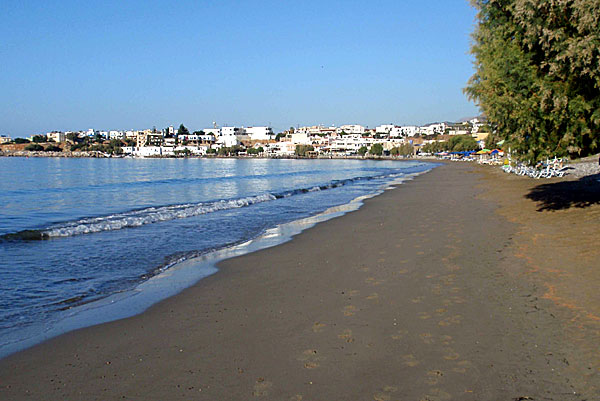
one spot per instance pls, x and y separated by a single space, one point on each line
150 215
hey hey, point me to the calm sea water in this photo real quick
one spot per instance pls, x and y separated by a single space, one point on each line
74 231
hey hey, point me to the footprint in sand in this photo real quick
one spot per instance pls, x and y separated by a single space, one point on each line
427 338
458 300
346 335
311 358
349 310
434 377
456 319
261 387
436 289
350 293
410 360
318 327
462 366
435 394
450 354
399 335
373 297
446 340
385 394
373 281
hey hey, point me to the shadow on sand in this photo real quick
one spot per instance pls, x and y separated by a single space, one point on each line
562 195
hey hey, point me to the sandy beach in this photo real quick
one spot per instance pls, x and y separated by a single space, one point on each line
463 284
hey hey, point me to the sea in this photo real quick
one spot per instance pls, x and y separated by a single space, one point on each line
85 241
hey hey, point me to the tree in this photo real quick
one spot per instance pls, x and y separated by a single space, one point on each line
39 138
537 75
34 147
302 150
182 130
255 151
376 149
53 148
21 140
72 137
460 143
279 136
406 149
362 150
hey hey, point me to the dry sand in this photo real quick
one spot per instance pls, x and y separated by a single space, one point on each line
456 285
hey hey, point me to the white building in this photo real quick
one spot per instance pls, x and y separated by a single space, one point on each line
300 138
385 129
56 136
432 129
116 135
351 129
350 144
231 136
5 139
212 131
260 133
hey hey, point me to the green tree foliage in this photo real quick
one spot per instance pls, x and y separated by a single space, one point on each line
53 148
21 140
183 153
537 74
34 147
460 143
39 138
406 149
363 150
301 150
255 151
73 137
230 151
376 149
182 130
457 143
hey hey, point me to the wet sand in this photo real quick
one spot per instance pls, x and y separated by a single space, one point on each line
453 286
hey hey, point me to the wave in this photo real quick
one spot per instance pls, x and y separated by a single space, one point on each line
150 215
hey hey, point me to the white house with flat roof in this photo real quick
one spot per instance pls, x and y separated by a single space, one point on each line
384 129
260 133
351 129
231 136
56 136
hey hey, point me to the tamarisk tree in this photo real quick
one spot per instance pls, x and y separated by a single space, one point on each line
537 75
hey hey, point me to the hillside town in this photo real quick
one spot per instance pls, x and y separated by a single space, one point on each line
345 140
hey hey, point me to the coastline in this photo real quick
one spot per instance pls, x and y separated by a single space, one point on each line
182 274
406 298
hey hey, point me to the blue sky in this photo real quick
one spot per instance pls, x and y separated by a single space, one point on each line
69 65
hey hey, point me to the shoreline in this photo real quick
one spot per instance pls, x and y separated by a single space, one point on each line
413 296
182 274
